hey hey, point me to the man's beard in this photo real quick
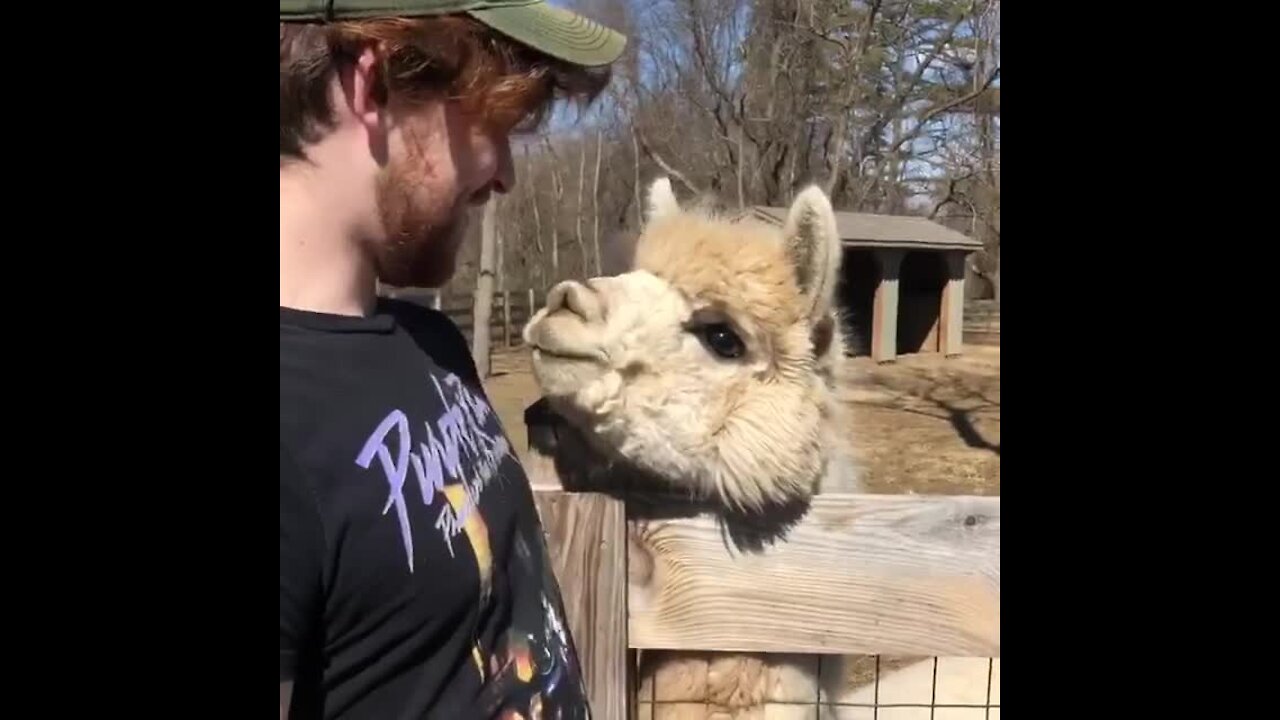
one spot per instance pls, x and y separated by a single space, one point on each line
423 237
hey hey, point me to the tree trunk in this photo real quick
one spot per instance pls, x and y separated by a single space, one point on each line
742 163
577 215
500 254
595 202
557 187
502 287
482 311
537 221
635 149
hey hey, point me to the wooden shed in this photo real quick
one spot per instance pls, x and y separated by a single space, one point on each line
902 289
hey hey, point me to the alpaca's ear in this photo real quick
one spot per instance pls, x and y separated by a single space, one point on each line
662 200
813 244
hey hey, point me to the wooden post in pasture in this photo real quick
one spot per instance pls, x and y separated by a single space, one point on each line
502 288
506 318
482 312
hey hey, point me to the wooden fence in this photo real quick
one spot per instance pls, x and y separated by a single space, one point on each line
982 322
858 576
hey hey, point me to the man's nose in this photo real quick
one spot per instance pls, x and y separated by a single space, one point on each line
572 296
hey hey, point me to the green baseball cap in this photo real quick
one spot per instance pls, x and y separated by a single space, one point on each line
558 32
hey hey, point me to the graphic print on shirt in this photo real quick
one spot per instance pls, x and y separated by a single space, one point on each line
477 534
465 445
453 460
534 671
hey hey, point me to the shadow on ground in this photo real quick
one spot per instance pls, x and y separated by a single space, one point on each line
956 398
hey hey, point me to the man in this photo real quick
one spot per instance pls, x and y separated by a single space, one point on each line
414 581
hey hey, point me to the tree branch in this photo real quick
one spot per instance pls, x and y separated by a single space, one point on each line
666 167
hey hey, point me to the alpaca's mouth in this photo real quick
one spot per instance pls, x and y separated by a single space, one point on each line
557 342
542 352
561 370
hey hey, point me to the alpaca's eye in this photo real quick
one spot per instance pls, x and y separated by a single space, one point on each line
722 340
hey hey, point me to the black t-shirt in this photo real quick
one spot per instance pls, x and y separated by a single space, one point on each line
414 578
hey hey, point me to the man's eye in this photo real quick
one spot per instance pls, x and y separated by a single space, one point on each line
722 340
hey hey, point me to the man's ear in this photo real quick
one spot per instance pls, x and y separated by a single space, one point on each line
362 87
364 99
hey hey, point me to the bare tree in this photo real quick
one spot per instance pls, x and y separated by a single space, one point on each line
578 209
595 200
557 189
635 149
893 105
532 185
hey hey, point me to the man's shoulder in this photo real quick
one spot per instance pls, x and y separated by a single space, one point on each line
424 323
435 333
408 311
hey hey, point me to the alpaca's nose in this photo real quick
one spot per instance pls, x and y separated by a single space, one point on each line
578 299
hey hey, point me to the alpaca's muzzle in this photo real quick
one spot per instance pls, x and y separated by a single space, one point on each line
574 297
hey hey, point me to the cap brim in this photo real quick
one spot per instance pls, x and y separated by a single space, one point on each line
558 32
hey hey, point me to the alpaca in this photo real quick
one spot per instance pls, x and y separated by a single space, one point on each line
710 367
711 364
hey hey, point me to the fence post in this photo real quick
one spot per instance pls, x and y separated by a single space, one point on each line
529 316
482 311
587 539
506 318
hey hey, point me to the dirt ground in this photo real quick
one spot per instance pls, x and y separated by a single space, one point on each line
922 424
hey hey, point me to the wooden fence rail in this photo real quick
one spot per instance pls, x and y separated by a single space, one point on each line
859 574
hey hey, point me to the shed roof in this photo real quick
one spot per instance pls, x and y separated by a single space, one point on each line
872 230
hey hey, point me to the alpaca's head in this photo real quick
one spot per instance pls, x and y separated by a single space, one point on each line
710 362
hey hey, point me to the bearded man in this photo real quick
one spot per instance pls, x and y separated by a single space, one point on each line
414 579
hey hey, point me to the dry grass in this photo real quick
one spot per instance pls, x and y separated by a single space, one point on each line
922 424
927 424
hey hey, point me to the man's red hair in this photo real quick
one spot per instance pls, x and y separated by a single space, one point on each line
505 84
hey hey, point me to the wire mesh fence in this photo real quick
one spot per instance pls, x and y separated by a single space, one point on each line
815 687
